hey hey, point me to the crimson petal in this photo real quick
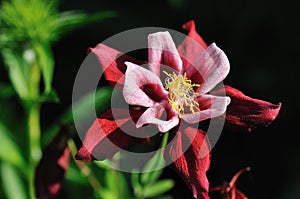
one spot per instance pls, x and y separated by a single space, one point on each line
192 46
106 137
239 194
112 62
52 167
193 163
247 113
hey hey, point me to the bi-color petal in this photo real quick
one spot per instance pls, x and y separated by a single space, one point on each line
153 115
162 51
137 78
210 107
210 68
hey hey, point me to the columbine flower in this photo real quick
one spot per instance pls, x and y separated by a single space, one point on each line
184 95
229 190
172 93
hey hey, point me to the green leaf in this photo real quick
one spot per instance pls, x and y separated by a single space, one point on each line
49 134
17 76
154 165
69 20
158 188
12 182
83 108
25 21
164 197
135 182
6 91
75 175
46 63
106 193
104 164
116 183
9 150
50 97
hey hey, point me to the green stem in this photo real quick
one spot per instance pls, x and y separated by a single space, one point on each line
34 129
34 133
84 169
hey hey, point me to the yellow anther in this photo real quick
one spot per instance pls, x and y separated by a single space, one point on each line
181 92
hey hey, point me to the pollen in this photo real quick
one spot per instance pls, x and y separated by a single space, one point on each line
181 93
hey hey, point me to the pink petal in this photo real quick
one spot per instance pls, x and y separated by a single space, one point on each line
137 78
162 50
112 63
210 107
105 138
247 113
189 152
153 116
209 69
192 46
51 169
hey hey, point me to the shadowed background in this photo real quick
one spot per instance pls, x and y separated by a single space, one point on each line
260 39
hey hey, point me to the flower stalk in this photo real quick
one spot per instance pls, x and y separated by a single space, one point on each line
34 129
34 133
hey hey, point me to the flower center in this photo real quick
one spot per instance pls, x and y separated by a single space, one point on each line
181 93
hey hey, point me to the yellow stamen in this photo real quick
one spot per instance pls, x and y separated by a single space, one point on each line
181 93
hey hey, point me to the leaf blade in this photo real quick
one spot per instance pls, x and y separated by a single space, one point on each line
46 62
154 167
9 150
12 182
158 188
69 20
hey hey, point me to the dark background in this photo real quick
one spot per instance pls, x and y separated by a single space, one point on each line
261 40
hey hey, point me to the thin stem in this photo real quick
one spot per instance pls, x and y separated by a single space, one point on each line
34 133
85 170
165 139
34 127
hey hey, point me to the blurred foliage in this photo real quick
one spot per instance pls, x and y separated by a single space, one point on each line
28 30
147 184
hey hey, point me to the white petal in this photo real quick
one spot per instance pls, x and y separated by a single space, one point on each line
217 106
209 69
152 116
